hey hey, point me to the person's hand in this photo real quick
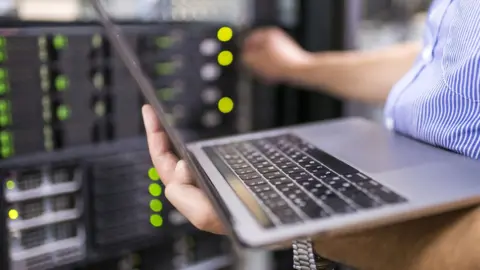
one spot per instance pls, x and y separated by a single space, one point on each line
271 54
180 189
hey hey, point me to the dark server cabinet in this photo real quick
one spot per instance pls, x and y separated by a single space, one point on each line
319 27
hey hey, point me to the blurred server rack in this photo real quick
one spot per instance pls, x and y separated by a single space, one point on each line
78 184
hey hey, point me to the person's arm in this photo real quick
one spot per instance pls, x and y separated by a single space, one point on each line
364 76
357 75
448 241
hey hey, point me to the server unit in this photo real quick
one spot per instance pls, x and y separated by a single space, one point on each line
78 183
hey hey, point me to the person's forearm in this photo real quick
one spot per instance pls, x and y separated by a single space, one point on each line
449 241
357 75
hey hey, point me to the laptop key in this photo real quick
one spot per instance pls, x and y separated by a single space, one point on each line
285 165
262 165
261 188
312 209
293 170
268 169
336 203
250 176
330 161
287 215
273 175
299 176
280 181
268 195
240 166
255 182
244 171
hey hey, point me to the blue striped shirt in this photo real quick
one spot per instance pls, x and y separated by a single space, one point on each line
438 100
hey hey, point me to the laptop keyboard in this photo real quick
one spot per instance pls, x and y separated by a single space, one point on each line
295 181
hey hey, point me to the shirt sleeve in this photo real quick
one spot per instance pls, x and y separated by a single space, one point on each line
461 52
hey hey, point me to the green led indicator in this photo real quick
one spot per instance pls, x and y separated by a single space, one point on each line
3 56
3 74
156 205
153 175
155 190
10 184
4 106
7 152
156 221
5 138
3 88
164 42
165 68
4 120
63 112
61 83
3 41
166 94
60 42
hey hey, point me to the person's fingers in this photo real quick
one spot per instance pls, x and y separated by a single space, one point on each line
183 174
195 206
164 161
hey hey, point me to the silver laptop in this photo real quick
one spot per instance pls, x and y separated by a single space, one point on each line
332 177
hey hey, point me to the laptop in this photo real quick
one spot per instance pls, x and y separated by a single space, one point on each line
328 178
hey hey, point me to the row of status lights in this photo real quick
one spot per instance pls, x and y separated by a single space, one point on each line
225 58
156 205
6 138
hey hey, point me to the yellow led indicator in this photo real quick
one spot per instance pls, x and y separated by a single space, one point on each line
61 83
100 109
156 205
225 34
156 221
225 105
60 42
10 184
63 112
153 175
225 58
155 190
97 41
13 214
98 81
